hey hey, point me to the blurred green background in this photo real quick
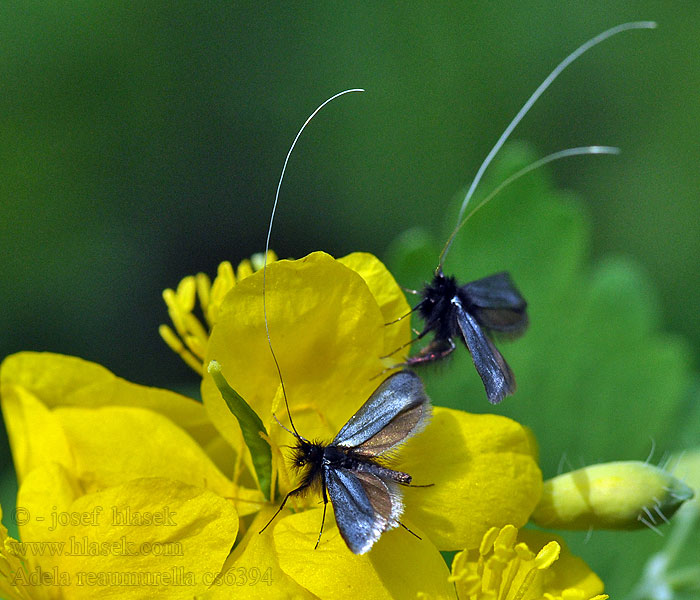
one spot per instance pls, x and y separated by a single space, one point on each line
143 142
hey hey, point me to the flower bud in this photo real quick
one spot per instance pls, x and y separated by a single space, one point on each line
616 495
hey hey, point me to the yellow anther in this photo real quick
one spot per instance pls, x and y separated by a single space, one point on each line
186 294
547 555
191 336
488 540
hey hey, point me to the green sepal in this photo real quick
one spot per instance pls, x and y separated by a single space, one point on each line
254 432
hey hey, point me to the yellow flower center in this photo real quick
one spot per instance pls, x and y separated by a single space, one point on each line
190 336
503 569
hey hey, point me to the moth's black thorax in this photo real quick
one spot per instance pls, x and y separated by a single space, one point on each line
337 457
312 457
436 308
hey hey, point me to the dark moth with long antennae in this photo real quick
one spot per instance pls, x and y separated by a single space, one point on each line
353 472
490 307
473 312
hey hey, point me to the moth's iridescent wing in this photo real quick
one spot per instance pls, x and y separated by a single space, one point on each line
365 504
495 373
496 304
366 498
396 410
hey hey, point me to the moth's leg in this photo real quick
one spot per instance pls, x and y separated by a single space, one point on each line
436 350
409 531
417 484
421 335
408 360
279 510
325 504
408 314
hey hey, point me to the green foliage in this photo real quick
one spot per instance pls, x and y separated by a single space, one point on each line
254 432
597 380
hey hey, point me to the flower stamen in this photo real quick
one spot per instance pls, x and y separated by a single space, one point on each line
190 336
504 569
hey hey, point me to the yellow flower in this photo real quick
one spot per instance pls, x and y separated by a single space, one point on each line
97 460
190 337
327 325
505 567
100 443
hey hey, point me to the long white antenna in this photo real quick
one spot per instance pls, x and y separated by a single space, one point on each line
267 242
535 96
524 171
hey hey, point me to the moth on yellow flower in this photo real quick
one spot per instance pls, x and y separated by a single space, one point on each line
93 440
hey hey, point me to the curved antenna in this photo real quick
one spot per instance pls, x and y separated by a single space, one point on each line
267 245
601 37
524 171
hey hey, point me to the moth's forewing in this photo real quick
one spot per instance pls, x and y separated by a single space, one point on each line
495 373
496 304
398 430
365 505
395 411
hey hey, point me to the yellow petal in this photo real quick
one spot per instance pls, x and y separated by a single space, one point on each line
253 571
115 444
59 380
388 295
397 566
327 332
13 566
37 511
483 474
36 436
145 538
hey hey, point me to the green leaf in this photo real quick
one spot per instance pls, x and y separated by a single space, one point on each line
689 418
254 432
597 379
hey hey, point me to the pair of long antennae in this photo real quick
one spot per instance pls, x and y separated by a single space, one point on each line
267 245
461 220
601 37
517 175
